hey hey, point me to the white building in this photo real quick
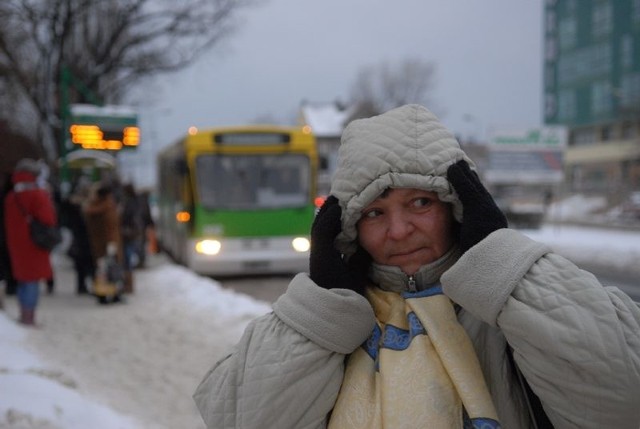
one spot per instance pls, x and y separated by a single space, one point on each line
327 120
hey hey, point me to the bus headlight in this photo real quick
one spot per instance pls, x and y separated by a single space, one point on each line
301 244
208 247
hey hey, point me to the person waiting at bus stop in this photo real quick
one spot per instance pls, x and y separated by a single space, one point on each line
102 219
29 263
422 308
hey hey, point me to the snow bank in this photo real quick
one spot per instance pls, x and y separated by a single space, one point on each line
33 395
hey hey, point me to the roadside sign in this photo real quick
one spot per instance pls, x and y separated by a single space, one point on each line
526 156
542 138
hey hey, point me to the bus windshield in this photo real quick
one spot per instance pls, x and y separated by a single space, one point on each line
253 181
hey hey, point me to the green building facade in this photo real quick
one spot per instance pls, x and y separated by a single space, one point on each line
592 86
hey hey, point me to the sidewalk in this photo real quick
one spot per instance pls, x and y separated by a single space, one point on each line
132 356
64 288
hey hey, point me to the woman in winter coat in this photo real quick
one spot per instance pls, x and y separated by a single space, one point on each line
103 221
29 263
422 309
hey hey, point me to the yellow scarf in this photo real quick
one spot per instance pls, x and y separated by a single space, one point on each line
417 370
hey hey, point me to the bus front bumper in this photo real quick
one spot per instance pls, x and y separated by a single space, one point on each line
271 258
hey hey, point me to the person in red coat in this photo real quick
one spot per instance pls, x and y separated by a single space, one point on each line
29 263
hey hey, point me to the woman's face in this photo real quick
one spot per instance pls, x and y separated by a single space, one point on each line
407 228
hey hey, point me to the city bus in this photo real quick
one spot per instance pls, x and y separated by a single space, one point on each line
238 200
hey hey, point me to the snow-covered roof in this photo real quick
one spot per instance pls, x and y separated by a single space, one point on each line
108 110
325 119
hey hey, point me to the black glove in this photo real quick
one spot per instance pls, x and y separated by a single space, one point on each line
480 214
327 267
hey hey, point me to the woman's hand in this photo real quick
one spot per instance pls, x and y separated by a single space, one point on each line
327 267
480 214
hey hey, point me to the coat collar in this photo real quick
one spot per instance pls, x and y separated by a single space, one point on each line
391 278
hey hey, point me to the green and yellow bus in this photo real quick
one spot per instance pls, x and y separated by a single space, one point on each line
238 200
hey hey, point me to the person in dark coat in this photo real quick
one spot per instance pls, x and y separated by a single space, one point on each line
148 243
80 248
30 264
132 228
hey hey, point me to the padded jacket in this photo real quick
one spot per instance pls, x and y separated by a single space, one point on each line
576 342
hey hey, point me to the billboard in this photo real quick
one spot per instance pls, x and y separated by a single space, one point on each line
526 156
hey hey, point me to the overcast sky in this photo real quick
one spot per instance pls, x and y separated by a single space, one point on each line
487 53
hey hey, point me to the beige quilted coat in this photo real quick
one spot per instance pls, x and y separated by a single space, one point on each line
576 342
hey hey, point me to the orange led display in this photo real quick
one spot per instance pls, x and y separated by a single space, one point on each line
93 137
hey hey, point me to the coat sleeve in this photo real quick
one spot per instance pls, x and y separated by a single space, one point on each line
287 369
576 342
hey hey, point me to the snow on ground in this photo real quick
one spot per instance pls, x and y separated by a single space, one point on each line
612 249
615 250
132 365
136 365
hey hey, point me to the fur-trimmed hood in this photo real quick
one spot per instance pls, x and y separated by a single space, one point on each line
406 147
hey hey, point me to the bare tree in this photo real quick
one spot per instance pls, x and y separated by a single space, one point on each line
381 87
106 46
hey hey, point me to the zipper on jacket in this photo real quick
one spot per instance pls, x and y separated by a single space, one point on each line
411 284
